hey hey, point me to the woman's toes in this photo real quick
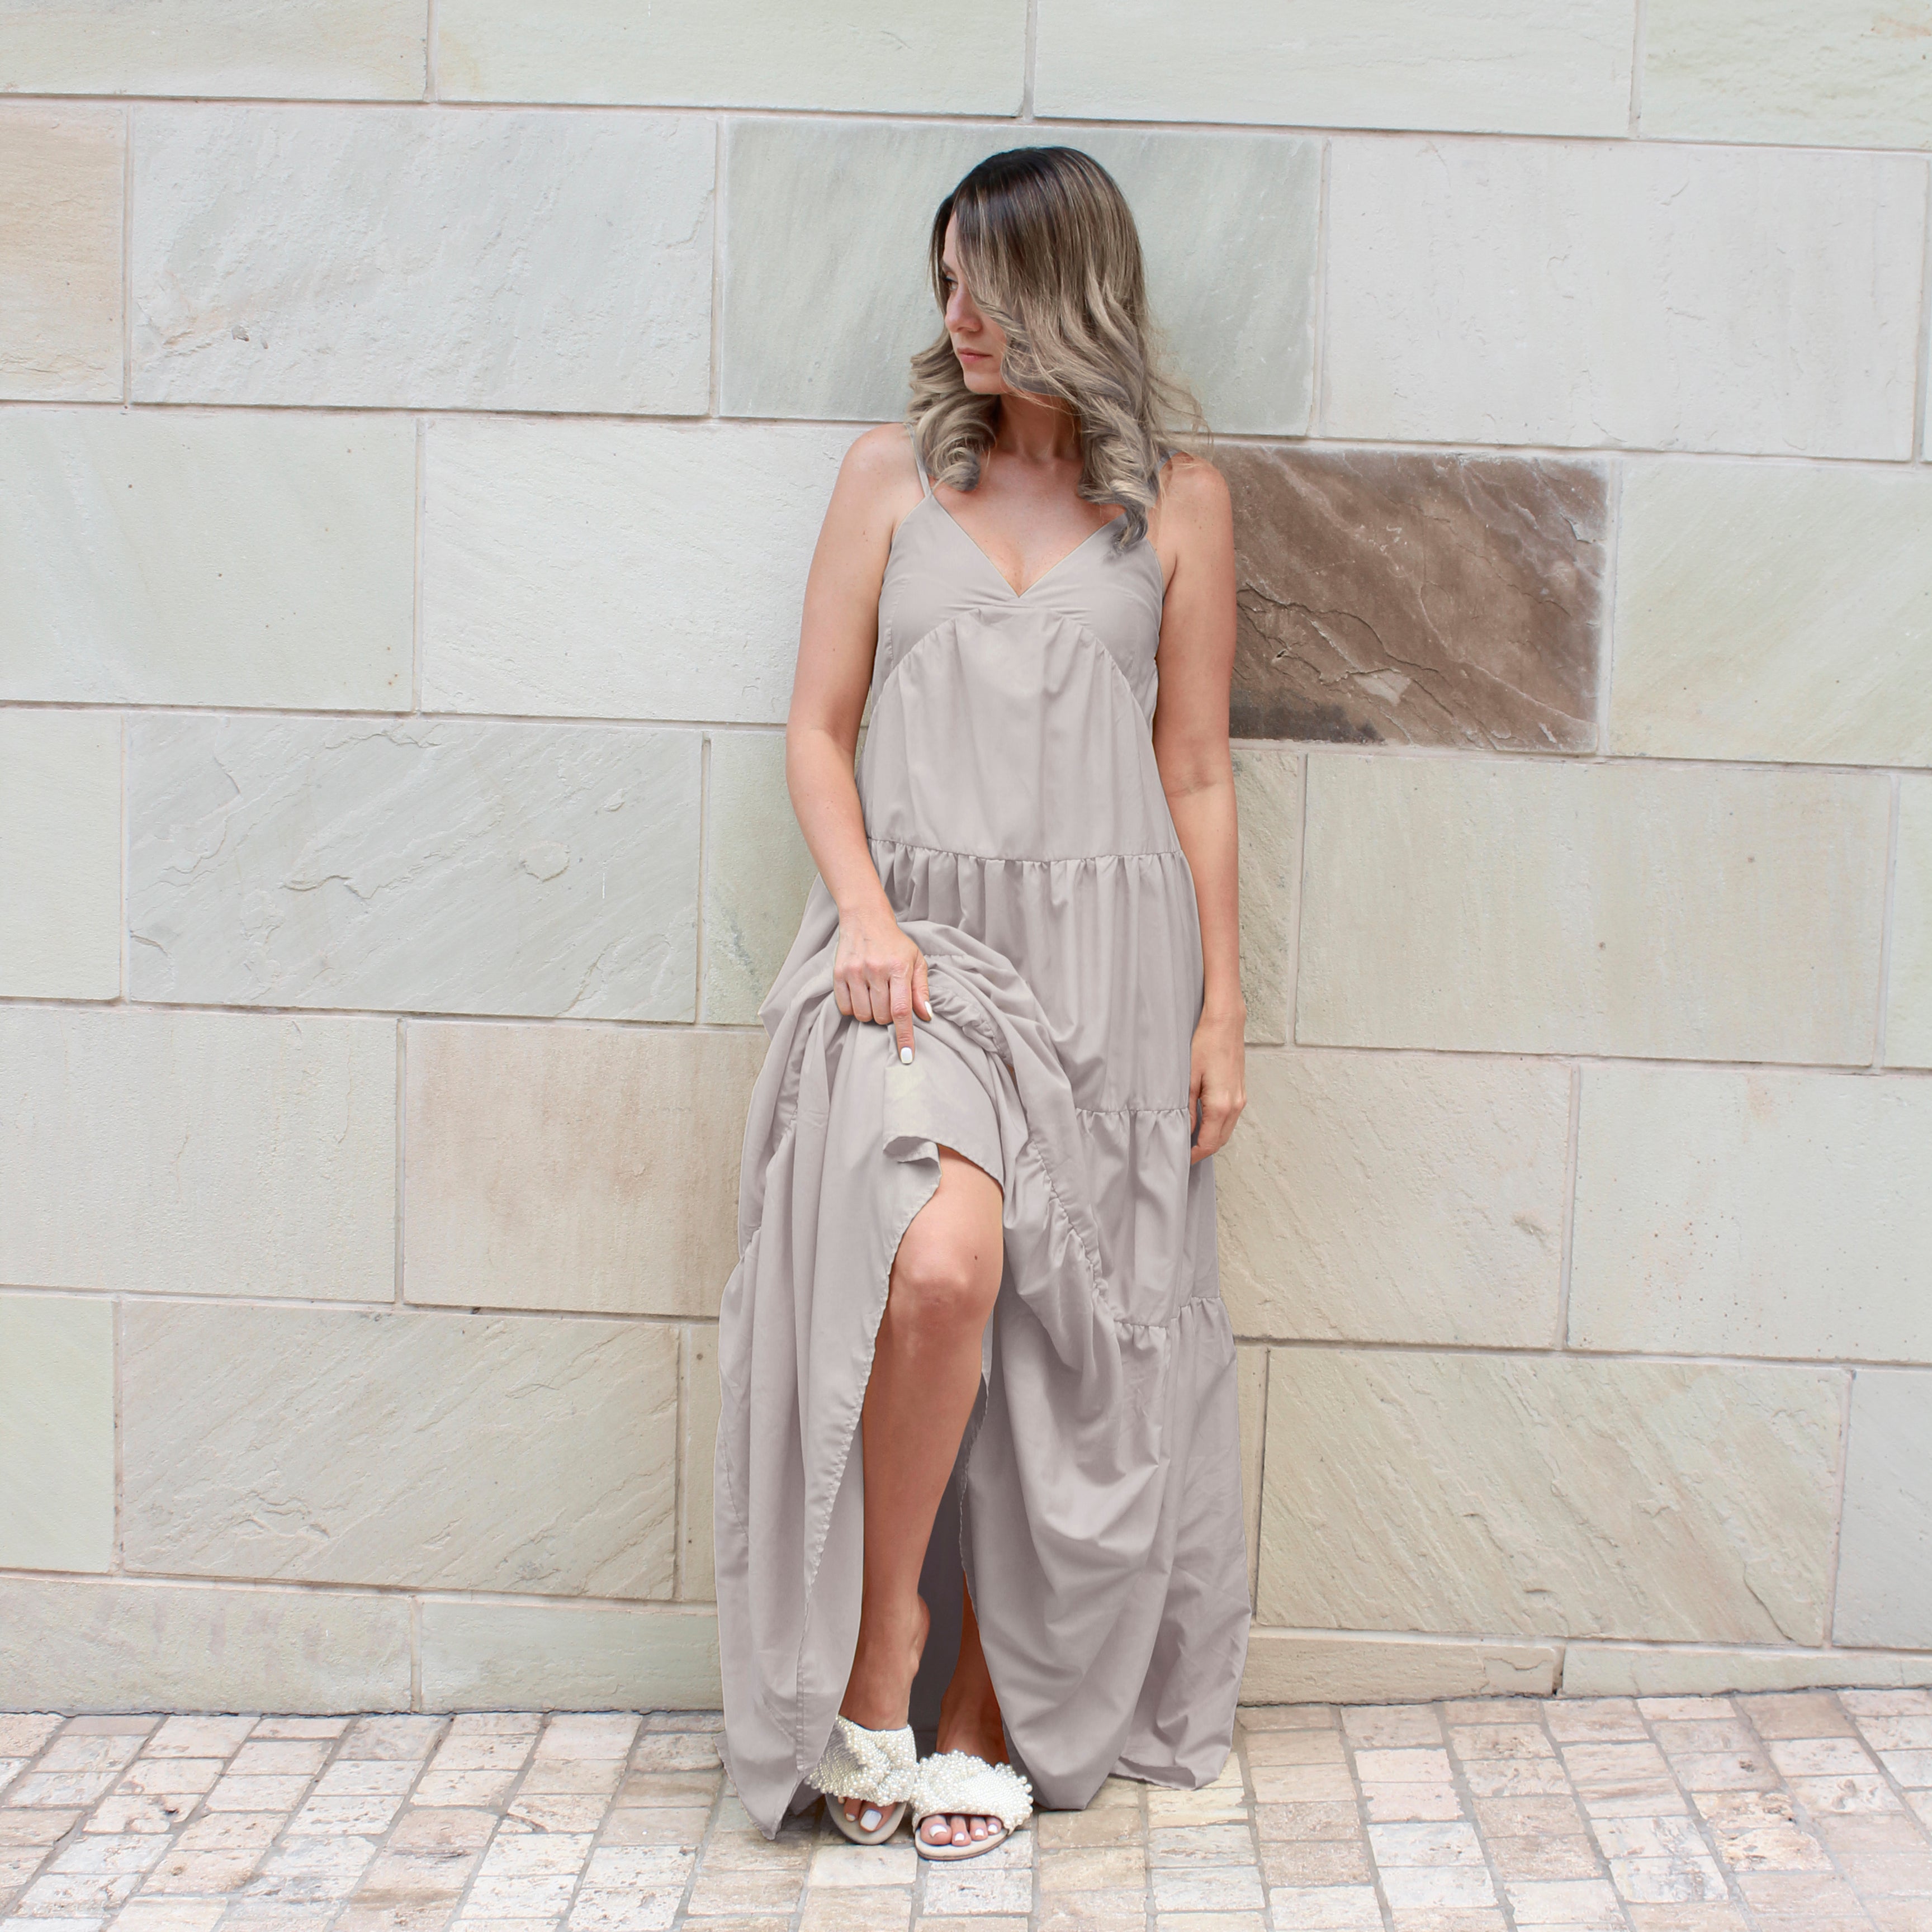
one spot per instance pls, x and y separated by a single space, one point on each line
979 1828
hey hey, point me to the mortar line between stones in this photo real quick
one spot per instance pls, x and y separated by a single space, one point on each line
597 1831
1606 620
498 1813
1576 137
1362 1821
1907 1810
1452 754
1572 1140
402 1150
1888 909
1261 1498
701 938
1317 368
118 1344
1459 1780
1707 1837
1292 1022
1842 1476
1922 388
1029 61
714 389
236 1908
125 943
698 422
1800 1811
681 1472
1860 1069
1359 1344
128 253
1248 1803
1638 25
1582 1811
416 578
1143 1810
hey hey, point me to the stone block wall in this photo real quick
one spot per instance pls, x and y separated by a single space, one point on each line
415 419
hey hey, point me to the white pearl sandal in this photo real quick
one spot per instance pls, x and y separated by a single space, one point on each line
881 1767
958 1784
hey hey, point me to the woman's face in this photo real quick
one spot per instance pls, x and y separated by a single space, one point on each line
977 341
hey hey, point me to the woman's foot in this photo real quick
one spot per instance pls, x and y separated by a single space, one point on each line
969 1720
879 1689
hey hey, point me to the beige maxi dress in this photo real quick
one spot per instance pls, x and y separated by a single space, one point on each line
1015 813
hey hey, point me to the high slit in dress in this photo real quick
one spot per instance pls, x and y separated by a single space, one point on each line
1015 814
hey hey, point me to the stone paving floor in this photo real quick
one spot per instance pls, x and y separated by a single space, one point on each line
1802 1813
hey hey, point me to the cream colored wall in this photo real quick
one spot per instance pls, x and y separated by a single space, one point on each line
417 417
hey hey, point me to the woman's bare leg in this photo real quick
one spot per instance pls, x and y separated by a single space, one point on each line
926 1375
969 1720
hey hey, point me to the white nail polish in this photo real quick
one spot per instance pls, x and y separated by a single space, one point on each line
905 1056
868 1819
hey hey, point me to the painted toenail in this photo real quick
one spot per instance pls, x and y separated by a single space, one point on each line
868 1819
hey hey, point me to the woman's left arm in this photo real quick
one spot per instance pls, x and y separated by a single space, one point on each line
1190 745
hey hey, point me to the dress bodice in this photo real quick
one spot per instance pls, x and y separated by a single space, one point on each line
934 571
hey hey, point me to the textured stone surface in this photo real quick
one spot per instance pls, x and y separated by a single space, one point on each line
236 560
60 854
1413 598
198 1153
1908 1021
60 252
350 49
1771 611
123 1645
1854 73
1396 1197
1534 907
1291 1666
1341 64
590 1168
626 570
1698 1670
1268 802
703 1399
1619 293
757 872
825 296
430 866
439 1451
1753 1214
390 258
875 56
1251 1370
56 1431
1885 1551
1548 1495
559 1656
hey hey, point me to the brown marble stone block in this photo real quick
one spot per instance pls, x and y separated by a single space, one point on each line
1401 597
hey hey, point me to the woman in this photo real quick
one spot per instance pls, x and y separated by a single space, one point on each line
976 1215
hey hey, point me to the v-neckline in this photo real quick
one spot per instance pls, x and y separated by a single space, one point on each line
1018 596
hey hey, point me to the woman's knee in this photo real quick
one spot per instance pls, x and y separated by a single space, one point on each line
944 1287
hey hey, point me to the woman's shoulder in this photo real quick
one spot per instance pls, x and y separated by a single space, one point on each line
881 459
1194 498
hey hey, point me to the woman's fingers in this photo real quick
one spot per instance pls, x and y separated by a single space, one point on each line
901 1009
920 1000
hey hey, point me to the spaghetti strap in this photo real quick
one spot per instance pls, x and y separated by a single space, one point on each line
919 463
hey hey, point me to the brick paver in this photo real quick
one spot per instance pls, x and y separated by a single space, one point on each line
1806 1813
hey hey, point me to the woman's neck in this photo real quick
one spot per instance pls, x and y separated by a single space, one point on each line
1036 429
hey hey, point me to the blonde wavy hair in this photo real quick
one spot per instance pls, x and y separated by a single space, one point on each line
1048 248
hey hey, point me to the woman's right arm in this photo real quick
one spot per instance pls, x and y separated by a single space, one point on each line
877 973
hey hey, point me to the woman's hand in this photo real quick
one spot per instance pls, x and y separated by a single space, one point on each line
1217 1086
879 974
